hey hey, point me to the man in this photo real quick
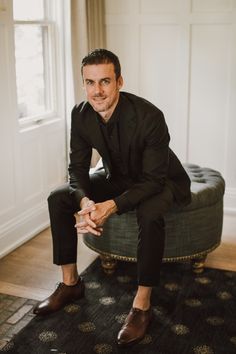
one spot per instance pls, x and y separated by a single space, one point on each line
140 172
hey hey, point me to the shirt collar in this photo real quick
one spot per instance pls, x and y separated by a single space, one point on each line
114 117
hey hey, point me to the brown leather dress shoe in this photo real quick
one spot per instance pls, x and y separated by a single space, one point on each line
63 295
135 326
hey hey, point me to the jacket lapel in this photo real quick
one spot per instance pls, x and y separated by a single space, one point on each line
127 125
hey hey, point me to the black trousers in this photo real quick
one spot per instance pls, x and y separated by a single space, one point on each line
151 236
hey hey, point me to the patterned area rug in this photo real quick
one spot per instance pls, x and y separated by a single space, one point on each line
192 315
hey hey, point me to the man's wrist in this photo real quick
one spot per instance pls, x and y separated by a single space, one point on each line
112 205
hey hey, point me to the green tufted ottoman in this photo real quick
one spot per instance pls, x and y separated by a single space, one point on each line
191 232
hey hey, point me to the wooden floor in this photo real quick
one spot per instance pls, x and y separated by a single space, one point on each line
28 271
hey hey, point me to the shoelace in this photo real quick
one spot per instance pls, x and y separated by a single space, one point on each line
135 312
58 286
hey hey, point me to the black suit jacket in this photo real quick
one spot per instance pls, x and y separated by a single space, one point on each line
144 141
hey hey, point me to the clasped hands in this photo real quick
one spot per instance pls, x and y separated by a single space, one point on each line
92 216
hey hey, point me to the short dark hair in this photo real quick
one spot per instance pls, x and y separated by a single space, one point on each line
102 56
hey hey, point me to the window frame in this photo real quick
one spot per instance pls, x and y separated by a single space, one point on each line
53 64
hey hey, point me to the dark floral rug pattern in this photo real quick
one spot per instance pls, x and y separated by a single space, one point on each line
193 314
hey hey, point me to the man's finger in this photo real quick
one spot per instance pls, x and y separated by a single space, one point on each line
87 221
84 224
87 210
94 231
81 224
82 231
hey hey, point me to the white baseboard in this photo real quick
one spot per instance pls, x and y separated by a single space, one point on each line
22 228
229 227
230 201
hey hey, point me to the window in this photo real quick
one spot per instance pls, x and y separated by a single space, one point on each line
34 48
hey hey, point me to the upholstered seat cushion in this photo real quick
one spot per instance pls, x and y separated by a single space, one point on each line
191 231
207 186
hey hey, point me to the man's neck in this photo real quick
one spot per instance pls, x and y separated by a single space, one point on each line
106 116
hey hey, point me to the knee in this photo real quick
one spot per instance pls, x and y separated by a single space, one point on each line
148 214
52 197
57 196
154 209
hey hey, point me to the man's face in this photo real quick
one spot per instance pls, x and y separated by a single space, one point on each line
102 87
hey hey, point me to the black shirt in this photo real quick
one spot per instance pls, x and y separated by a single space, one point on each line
111 135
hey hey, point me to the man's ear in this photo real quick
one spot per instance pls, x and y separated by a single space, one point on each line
120 82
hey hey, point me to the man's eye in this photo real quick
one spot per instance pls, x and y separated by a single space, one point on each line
105 82
89 83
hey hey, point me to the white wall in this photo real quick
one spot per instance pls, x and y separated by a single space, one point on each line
181 55
32 159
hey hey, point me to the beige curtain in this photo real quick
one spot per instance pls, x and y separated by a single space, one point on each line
96 24
79 44
87 33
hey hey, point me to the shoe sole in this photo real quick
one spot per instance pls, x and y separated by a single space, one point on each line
54 311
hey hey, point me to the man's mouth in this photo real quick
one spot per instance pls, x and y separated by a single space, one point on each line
99 99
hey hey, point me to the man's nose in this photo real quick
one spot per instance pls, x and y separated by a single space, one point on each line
98 88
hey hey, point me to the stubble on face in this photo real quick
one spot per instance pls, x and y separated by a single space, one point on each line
102 88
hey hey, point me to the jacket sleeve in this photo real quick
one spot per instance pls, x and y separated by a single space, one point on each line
154 165
80 158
